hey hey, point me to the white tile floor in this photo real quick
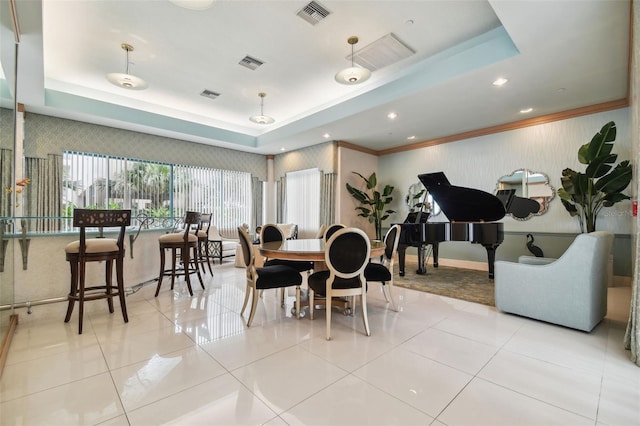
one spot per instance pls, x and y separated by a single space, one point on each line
191 360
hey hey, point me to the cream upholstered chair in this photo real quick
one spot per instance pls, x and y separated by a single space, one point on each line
346 255
570 291
274 276
184 246
383 272
222 246
84 250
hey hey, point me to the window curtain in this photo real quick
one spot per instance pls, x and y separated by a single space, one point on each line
256 202
42 197
303 201
6 169
328 198
281 195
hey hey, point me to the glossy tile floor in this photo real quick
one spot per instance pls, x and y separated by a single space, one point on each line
191 360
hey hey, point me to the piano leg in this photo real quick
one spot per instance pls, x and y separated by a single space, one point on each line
422 268
402 250
491 256
435 247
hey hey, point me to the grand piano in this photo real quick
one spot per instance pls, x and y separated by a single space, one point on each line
472 215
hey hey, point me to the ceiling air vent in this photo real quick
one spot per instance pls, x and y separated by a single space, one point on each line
382 52
251 63
313 13
209 94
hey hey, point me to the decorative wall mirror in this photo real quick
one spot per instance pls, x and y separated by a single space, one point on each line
524 189
416 196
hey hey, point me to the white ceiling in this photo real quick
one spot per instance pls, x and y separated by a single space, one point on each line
557 55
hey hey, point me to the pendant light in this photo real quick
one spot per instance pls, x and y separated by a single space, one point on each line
126 80
353 74
262 119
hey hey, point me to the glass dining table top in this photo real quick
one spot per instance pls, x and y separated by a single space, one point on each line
306 249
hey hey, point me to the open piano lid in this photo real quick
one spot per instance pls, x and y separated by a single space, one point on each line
461 204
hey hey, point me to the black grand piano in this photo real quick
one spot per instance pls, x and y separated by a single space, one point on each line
472 215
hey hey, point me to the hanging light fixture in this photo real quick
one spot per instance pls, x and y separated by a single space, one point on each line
262 119
353 74
125 79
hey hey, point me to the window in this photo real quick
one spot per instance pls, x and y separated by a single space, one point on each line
158 190
303 201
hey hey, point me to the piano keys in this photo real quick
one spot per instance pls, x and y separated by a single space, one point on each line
472 217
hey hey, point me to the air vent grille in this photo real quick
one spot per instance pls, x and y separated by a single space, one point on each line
313 12
250 62
382 52
209 94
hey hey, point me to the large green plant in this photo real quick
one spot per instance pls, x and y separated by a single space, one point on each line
601 185
373 202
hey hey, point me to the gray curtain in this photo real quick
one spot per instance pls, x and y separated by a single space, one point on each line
281 199
6 170
43 197
327 198
256 200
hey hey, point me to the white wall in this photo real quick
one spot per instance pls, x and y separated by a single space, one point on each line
547 148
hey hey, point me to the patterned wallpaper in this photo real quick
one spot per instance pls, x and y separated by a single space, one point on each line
321 156
6 124
44 135
547 148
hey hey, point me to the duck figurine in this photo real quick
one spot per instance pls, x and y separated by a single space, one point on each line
535 250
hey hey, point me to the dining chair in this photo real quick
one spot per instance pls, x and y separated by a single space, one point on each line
84 250
182 245
383 272
271 233
332 229
321 231
267 277
346 255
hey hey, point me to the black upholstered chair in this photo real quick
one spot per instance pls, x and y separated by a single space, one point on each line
271 232
274 276
383 272
84 250
184 246
332 229
346 255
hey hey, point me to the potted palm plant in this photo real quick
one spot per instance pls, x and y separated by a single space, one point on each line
585 194
373 204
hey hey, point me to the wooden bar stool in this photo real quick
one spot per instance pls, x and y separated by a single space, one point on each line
85 250
203 242
185 246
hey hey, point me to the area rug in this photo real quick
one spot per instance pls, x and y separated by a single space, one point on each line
466 284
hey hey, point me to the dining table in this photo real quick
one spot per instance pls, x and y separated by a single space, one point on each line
311 249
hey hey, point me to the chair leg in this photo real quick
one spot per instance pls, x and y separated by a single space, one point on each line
298 307
73 291
389 287
208 256
121 293
328 312
162 255
254 304
185 264
173 267
365 317
196 255
108 288
246 298
81 276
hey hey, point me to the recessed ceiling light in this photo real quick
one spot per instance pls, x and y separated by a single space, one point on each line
392 116
283 149
500 81
526 110
412 137
326 136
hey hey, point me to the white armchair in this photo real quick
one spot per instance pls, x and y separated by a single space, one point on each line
222 246
570 291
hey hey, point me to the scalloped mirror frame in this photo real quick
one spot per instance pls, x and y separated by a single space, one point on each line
537 188
414 190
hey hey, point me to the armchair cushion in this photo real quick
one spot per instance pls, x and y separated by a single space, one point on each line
289 230
570 291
